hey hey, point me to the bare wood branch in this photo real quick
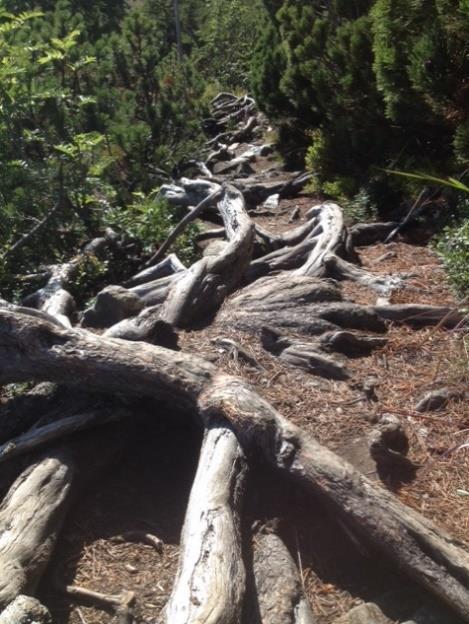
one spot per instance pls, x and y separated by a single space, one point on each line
181 226
210 583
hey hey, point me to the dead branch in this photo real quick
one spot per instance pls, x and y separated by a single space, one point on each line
181 226
122 605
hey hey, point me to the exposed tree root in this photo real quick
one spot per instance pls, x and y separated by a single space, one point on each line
41 350
209 587
204 286
279 592
25 610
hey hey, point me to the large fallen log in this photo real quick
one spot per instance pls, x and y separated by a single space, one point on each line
39 350
210 583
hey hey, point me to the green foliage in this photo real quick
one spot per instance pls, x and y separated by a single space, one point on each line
368 84
227 38
90 274
93 105
361 208
453 247
149 219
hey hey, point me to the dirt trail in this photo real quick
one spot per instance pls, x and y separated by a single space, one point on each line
149 489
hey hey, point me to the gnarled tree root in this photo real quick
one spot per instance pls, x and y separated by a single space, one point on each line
32 350
210 583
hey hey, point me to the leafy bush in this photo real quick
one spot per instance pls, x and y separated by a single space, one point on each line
89 277
149 219
453 247
368 84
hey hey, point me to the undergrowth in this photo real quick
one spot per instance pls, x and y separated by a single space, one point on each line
149 219
452 245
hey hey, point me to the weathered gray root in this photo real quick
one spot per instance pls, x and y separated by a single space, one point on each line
304 248
31 517
19 413
155 292
170 265
331 238
40 436
203 287
33 511
338 268
188 192
420 315
54 298
350 344
285 259
280 595
146 327
25 610
38 350
302 354
363 234
210 583
6 305
307 305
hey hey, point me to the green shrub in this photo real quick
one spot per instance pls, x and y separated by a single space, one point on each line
453 247
149 220
361 208
89 277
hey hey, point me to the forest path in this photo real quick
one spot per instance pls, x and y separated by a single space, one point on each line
148 490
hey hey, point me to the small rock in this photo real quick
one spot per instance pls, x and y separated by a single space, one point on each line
113 304
431 615
368 613
437 399
271 203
